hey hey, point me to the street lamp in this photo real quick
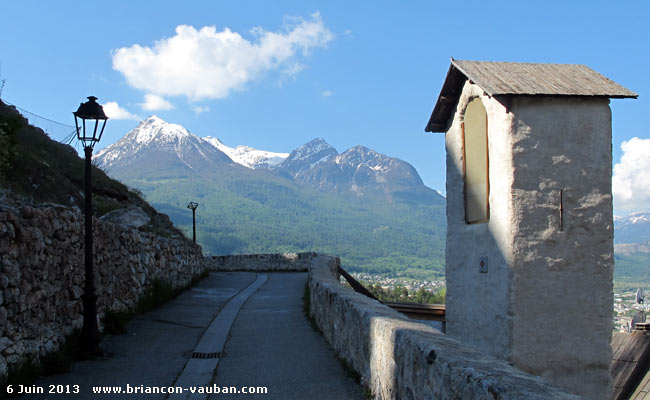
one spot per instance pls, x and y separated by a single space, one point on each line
193 207
89 111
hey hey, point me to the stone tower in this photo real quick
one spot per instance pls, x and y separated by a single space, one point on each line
529 254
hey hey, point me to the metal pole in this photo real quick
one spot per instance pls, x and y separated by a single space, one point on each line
194 225
89 331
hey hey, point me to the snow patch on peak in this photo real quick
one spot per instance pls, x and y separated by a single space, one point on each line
634 218
216 142
313 147
248 156
321 160
153 127
362 149
637 218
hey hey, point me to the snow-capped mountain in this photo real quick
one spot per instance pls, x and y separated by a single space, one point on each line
635 218
158 147
366 165
248 156
305 158
359 170
634 228
154 133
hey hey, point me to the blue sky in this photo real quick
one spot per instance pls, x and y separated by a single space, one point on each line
352 73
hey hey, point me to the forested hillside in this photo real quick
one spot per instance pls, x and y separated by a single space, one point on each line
239 215
370 209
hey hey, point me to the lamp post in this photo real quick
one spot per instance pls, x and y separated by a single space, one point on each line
193 207
93 112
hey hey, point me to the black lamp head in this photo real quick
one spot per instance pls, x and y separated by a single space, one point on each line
93 111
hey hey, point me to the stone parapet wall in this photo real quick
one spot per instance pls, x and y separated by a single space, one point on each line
42 274
261 262
399 358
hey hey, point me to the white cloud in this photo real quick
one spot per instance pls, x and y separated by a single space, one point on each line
326 93
631 180
153 102
200 109
209 64
114 111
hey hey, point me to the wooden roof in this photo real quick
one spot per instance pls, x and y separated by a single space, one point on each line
520 79
642 391
630 362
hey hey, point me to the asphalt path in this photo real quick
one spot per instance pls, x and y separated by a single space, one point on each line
156 348
234 331
273 346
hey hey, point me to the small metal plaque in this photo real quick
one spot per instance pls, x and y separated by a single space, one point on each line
483 265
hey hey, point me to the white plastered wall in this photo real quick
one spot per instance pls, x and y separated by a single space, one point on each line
545 303
562 270
477 303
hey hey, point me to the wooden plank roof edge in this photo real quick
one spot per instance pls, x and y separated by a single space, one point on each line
438 120
430 125
628 373
458 65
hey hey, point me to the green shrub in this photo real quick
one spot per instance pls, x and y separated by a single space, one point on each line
115 321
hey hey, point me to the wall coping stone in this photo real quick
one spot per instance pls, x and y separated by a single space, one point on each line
399 358
261 262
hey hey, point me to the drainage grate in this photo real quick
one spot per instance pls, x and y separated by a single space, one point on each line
198 354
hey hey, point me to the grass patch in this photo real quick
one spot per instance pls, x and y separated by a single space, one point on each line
24 375
60 361
306 304
157 230
198 278
56 362
158 294
350 372
115 321
155 296
102 205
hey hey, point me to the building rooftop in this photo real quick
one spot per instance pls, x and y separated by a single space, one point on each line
520 79
630 368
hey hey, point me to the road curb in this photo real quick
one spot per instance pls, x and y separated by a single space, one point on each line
199 369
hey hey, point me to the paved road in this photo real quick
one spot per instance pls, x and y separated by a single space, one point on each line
270 344
158 344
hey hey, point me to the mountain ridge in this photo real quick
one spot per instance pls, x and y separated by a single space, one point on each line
379 227
358 170
248 156
633 228
173 143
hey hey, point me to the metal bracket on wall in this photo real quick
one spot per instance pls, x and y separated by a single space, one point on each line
483 265
561 209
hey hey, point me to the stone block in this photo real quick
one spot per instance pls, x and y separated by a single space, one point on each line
5 342
75 292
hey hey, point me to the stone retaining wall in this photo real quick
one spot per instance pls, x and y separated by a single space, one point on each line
261 262
400 358
42 274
